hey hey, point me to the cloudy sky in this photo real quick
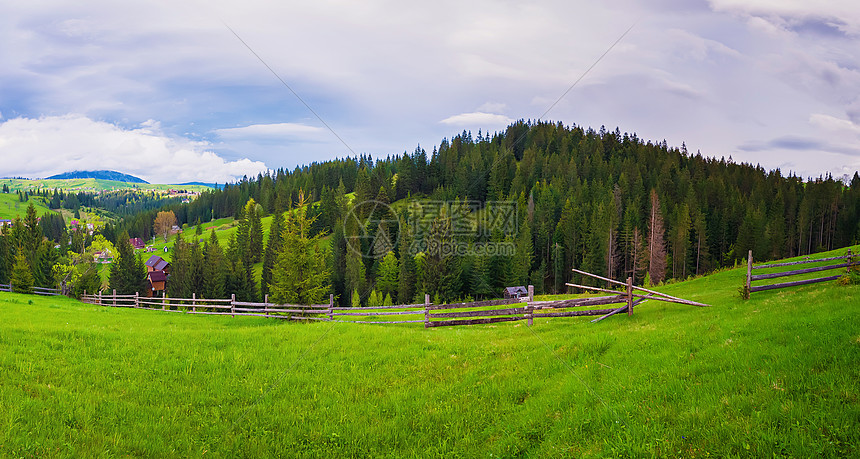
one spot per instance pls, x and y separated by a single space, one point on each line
167 92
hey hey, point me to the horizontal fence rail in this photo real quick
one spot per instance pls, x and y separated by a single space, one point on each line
35 290
215 306
749 288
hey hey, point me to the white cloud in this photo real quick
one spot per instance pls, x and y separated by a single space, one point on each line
841 14
477 119
834 124
39 147
270 131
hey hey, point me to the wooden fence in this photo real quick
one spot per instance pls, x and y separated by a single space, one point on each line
431 315
228 307
839 264
36 290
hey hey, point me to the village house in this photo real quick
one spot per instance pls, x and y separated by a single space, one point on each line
157 272
137 243
515 292
103 257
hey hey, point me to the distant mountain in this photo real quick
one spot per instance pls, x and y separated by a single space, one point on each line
100 175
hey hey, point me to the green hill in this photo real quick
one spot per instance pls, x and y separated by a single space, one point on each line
776 375
103 175
92 185
11 206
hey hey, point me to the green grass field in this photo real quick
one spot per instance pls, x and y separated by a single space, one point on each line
10 206
777 375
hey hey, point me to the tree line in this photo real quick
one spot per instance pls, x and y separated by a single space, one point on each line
603 201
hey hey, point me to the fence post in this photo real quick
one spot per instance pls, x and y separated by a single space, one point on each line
114 297
194 302
136 299
233 306
529 307
749 276
330 305
629 296
426 310
266 304
164 300
100 298
83 298
848 269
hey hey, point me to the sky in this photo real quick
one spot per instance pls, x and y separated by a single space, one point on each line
213 90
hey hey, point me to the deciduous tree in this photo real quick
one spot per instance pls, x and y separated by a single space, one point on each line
164 222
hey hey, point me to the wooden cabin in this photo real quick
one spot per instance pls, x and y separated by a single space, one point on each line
157 272
515 292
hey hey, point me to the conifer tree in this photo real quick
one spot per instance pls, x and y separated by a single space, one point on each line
300 276
47 257
522 262
181 270
442 270
656 244
214 269
31 235
22 277
5 257
273 248
127 273
355 271
388 276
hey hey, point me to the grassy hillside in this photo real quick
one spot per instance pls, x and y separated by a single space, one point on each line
773 376
10 206
91 184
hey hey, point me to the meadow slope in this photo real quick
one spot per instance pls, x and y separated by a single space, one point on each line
778 375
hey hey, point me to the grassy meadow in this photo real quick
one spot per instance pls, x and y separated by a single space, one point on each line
777 375
92 185
11 206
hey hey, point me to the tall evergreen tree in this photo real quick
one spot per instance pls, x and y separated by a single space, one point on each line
273 249
22 277
300 276
214 269
388 276
127 273
656 244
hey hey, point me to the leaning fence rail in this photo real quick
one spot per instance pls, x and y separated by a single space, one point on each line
749 288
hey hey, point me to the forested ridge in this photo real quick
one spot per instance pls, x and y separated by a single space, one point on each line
584 200
603 201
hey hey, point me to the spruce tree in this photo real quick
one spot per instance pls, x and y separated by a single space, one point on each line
214 269
388 275
406 277
300 276
127 273
181 271
273 248
656 244
48 257
22 277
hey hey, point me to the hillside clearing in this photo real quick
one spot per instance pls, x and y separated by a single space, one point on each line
775 375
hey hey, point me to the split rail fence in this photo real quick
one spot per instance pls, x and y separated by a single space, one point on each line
848 263
431 315
36 290
224 307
